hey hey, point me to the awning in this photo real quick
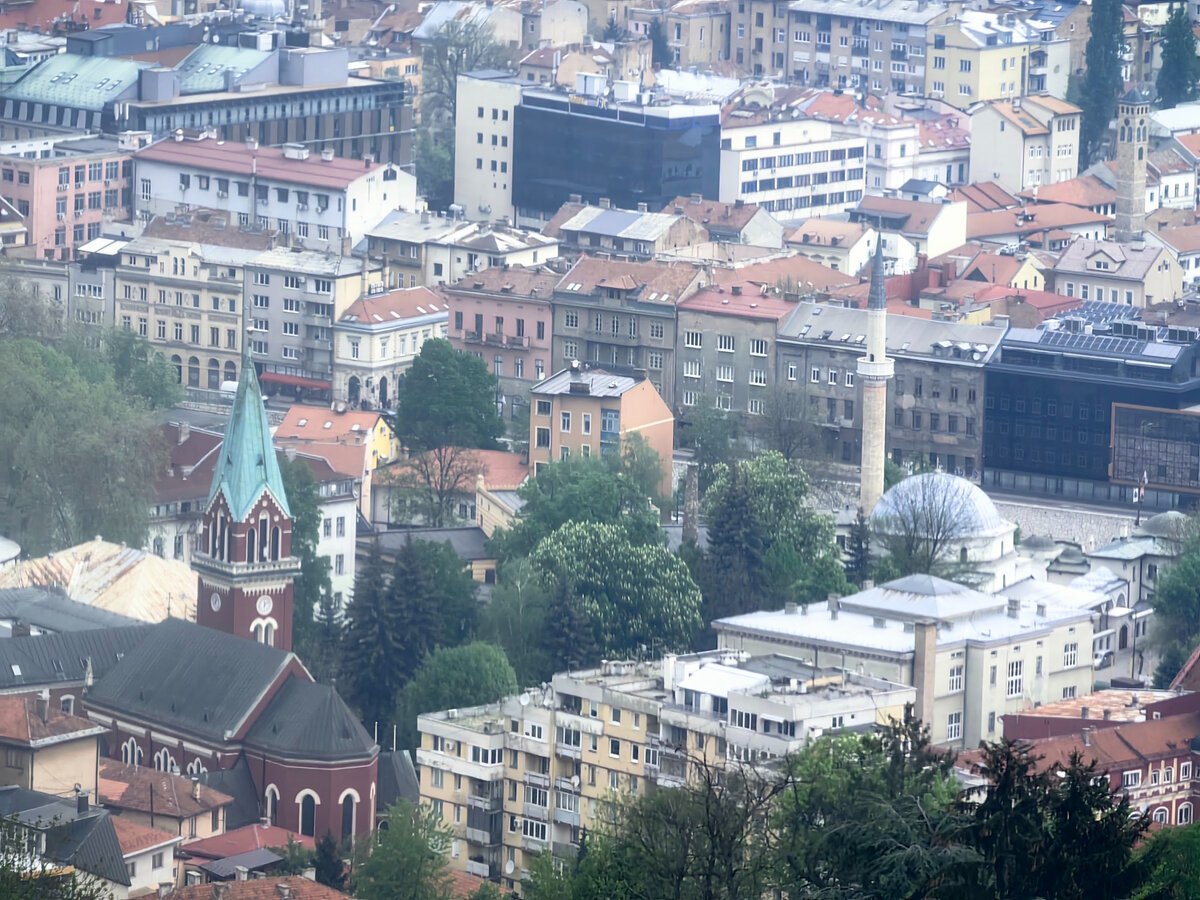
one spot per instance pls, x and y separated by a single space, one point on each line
294 381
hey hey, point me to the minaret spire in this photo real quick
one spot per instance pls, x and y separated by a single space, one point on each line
875 370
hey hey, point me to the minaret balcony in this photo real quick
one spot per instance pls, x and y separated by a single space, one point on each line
879 370
283 568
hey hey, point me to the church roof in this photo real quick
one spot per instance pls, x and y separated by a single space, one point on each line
877 298
306 720
44 660
247 464
191 678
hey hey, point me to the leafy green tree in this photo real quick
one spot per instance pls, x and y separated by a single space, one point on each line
471 675
77 458
660 49
1177 78
1169 864
1170 661
614 31
26 314
448 399
451 590
140 370
714 436
1176 602
486 891
327 861
408 861
434 163
294 858
633 596
371 643
766 547
1102 80
580 489
313 589
516 619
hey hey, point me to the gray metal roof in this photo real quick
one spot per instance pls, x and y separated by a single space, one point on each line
238 783
600 383
222 869
191 678
469 542
623 223
49 659
77 82
904 11
50 609
305 720
85 840
205 68
397 780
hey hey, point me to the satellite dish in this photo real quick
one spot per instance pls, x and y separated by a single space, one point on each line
508 867
575 781
524 698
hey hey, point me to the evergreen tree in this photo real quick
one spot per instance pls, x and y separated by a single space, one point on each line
330 870
413 601
371 648
1180 67
1102 83
568 638
1169 663
660 49
313 588
858 550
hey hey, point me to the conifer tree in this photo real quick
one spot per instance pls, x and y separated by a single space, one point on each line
1102 83
370 645
1180 67
415 612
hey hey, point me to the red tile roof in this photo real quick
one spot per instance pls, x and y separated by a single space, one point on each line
713 212
245 839
143 789
1183 239
921 215
668 281
317 423
297 888
826 233
236 158
751 303
800 271
1029 220
405 303
502 471
1084 190
21 724
984 196
64 16
135 838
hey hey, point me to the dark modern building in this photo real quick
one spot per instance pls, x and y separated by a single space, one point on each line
630 154
1093 404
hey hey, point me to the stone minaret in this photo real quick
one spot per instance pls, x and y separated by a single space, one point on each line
875 370
1133 113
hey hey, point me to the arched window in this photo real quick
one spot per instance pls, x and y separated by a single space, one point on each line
962 554
276 542
1161 815
271 802
214 374
227 534
1184 816
193 372
164 761
348 808
251 545
230 371
220 554
257 631
159 547
262 537
307 801
195 767
178 364
269 634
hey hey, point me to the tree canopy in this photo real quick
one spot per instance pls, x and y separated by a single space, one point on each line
409 859
312 590
447 399
1102 78
1180 67
470 675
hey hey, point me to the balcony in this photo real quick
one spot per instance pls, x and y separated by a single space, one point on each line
860 48
479 836
282 567
533 811
900 54
566 784
492 803
520 342
536 779
566 817
482 869
532 844
565 849
318 344
568 751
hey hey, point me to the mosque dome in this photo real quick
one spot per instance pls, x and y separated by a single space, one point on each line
264 9
940 495
1171 524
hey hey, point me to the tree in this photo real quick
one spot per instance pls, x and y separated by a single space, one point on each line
312 589
660 49
434 163
858 550
785 426
327 861
1176 602
41 876
713 434
451 592
138 369
409 860
460 46
1170 661
417 616
631 595
515 619
429 485
447 399
1177 78
294 858
1170 865
25 314
1102 80
923 522
77 458
582 489
371 644
451 677
765 546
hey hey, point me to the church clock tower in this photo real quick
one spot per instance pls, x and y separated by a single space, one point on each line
244 561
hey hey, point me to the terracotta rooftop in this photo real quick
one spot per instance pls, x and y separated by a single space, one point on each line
56 16
1191 142
519 281
1119 705
984 196
136 788
237 159
21 724
502 471
752 302
1183 239
565 213
405 303
994 268
245 839
1084 190
920 214
659 282
317 423
135 838
826 233
943 134
799 271
1030 220
211 227
713 212
297 888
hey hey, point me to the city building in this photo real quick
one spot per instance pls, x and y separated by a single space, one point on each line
165 801
71 195
530 774
972 657
434 249
931 228
736 223
935 401
623 234
319 200
630 152
483 144
1047 226
503 316
698 32
841 246
1133 136
1133 274
1025 142
610 313
149 856
376 339
789 166
48 746
727 356
587 411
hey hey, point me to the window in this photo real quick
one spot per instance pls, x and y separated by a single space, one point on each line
758 377
614 748
1131 779
791 373
758 347
725 373
615 715
693 339
815 376
566 423
725 343
833 376
543 407
542 437
1070 655
956 679
1068 693
1015 680
954 726
1185 771
691 368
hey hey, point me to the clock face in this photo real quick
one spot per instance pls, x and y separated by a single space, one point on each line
215 602
264 606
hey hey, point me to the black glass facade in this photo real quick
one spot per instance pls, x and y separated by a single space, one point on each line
629 155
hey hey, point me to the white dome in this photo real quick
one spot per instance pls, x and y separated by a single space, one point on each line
263 9
941 499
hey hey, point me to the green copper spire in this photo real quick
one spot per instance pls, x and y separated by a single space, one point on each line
248 465
877 297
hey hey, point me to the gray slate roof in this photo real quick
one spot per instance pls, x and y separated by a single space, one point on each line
49 659
223 869
238 783
86 840
397 780
469 542
50 609
306 720
191 678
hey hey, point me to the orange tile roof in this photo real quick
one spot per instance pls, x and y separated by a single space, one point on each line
316 423
502 471
921 215
57 16
799 270
751 303
245 839
143 789
984 196
1040 217
516 281
899 307
405 303
1183 239
261 889
713 212
21 724
826 233
1190 142
1084 190
135 838
995 268
669 281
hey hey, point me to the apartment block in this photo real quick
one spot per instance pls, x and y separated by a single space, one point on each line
877 46
623 234
484 145
586 411
1025 142
529 774
789 166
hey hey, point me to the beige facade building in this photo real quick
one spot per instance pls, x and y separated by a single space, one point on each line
842 246
529 774
46 746
1025 142
483 144
971 657
585 411
1135 274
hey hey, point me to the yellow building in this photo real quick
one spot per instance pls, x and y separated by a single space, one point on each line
45 747
528 774
585 411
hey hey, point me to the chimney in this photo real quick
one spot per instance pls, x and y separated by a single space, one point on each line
20 629
833 601
867 584
605 203
643 207
251 144
924 661
195 788
240 873
1014 607
185 432
1087 736
326 156
81 802
697 198
691 504
1085 712
736 290
283 891
220 890
42 705
790 608
1107 714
